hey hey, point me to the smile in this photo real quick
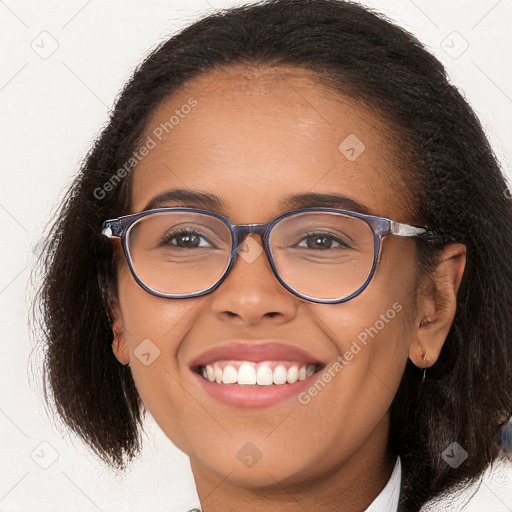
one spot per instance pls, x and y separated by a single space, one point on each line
254 395
253 373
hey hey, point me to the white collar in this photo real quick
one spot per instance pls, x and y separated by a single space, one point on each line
387 500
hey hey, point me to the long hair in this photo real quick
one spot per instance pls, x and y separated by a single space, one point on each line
459 192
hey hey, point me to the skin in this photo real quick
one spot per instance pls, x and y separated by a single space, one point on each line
330 454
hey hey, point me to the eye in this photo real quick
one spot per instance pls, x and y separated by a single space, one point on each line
185 239
324 241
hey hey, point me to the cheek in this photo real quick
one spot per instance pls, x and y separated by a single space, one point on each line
353 395
153 330
148 316
374 329
371 337
371 334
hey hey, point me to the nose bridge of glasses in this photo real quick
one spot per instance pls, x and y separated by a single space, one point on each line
242 230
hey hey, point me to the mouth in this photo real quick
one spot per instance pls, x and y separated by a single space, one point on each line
254 375
251 384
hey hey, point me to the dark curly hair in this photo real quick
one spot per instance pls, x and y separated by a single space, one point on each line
455 179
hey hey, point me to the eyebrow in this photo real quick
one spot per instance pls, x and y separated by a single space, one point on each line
201 199
212 202
324 200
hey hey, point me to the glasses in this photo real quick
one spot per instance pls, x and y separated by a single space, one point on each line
323 255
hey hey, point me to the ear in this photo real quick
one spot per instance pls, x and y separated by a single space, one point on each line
436 305
119 344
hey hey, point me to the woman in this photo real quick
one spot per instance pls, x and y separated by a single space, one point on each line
292 246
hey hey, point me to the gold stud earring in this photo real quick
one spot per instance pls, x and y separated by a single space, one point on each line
424 369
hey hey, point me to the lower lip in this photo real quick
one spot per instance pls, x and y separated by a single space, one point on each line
253 396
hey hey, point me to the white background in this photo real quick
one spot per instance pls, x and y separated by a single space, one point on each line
51 111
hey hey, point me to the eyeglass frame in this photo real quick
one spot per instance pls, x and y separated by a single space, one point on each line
381 227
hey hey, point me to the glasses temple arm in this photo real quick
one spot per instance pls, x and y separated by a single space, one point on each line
397 228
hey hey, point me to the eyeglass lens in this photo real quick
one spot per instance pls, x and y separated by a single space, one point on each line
324 255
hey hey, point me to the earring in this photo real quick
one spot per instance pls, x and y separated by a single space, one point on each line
424 369
422 323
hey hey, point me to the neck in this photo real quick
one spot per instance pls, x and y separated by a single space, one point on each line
350 486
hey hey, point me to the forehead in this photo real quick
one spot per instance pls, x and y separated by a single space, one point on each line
254 135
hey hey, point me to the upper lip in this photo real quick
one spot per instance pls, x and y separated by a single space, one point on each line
255 350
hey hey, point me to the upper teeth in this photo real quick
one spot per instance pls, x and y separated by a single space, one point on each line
250 373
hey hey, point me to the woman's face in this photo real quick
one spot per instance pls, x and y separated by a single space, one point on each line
254 139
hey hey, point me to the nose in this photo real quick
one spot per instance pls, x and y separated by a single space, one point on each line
251 291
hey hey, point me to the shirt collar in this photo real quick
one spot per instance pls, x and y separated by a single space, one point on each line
387 500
